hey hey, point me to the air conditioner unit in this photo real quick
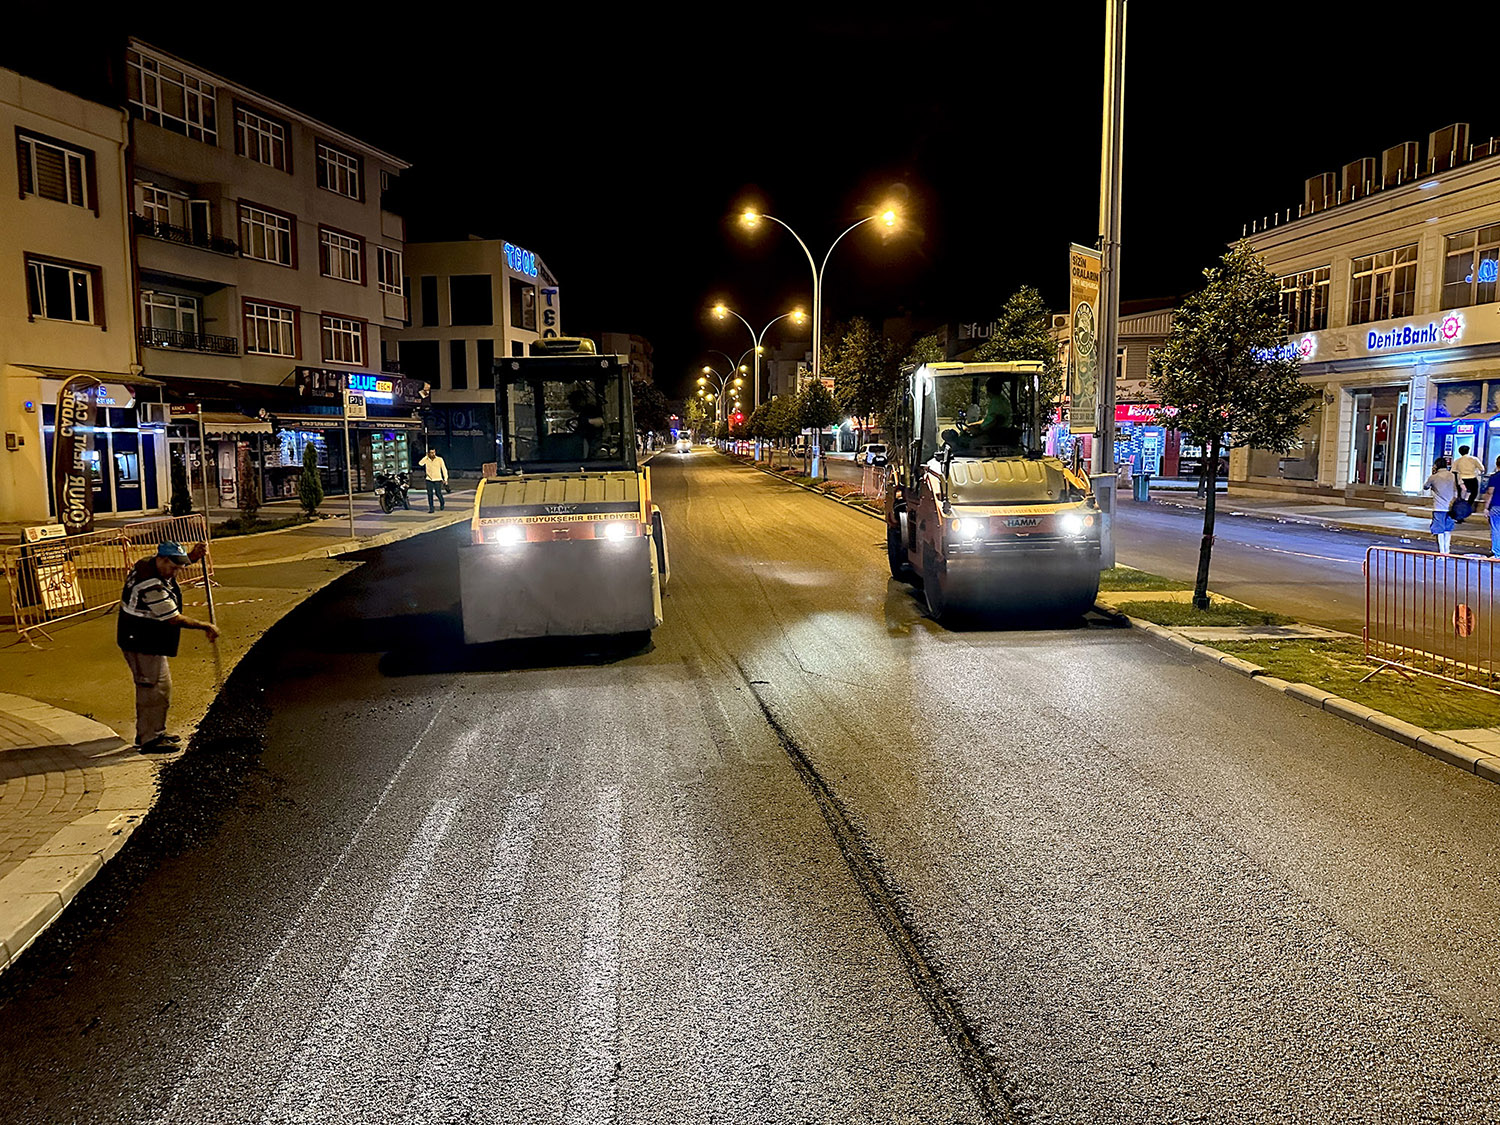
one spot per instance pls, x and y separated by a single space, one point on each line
1060 320
1399 164
1447 147
1320 192
1359 178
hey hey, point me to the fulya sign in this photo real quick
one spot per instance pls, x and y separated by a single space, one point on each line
72 476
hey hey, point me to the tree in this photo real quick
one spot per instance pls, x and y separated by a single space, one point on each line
650 407
698 415
1226 377
249 485
929 349
863 369
1023 330
815 410
310 483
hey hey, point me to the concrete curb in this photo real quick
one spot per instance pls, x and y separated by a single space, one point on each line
39 889
353 546
1445 749
808 488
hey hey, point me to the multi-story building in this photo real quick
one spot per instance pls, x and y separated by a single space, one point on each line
1389 272
474 302
269 269
66 299
635 349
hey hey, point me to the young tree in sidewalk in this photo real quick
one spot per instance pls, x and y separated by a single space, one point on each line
310 483
1227 378
863 369
182 491
815 411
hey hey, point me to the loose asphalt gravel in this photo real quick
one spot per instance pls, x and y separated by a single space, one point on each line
807 857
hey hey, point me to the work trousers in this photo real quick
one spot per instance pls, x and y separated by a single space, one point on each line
435 488
153 694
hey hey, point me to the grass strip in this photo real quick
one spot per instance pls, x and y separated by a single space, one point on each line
1339 665
1128 578
1219 613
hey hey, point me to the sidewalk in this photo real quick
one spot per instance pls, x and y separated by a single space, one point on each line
72 788
1474 532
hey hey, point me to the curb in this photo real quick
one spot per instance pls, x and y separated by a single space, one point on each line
349 547
1428 742
39 889
808 488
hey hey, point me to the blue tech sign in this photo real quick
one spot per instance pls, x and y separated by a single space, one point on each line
380 388
522 261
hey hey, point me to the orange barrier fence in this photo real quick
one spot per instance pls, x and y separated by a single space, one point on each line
1432 614
53 580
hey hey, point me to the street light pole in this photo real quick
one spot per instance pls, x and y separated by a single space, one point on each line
721 309
1110 163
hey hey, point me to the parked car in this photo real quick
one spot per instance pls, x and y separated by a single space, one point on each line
873 453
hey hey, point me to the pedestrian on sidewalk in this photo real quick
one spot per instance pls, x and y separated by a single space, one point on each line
1443 484
1468 470
149 628
437 478
1492 509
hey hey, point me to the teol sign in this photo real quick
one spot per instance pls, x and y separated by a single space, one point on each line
1434 333
522 261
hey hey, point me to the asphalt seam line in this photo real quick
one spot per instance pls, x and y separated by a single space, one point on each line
991 1087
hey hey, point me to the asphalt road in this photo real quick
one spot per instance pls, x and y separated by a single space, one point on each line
809 857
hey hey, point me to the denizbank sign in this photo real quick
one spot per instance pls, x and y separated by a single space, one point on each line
1433 334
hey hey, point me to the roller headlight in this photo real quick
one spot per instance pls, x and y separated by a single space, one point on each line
968 528
616 531
1075 523
509 534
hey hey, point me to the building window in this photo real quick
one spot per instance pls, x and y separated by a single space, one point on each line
270 329
53 170
485 367
266 235
470 299
1304 300
522 305
174 99
260 138
429 301
62 290
170 312
343 340
338 171
388 269
458 364
1383 285
419 360
341 255
1471 267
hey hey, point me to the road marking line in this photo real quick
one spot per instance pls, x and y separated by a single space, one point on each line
334 1035
444 1088
1303 554
591 1081
298 923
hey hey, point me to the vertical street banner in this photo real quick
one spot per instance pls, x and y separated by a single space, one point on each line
1083 305
551 318
72 468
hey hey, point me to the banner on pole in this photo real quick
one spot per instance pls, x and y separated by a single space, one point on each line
72 468
1083 327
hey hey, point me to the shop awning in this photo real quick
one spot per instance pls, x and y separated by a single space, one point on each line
336 422
102 376
220 423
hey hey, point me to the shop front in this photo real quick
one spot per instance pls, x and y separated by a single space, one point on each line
376 445
122 451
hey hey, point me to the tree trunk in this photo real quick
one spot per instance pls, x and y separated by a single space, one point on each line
1206 549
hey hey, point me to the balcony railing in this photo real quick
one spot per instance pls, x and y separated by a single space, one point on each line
189 341
167 232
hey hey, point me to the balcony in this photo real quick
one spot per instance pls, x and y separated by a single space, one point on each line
151 228
189 341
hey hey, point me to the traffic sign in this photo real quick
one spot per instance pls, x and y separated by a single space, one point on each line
354 405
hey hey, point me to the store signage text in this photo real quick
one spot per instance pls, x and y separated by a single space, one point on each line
373 386
522 261
1415 335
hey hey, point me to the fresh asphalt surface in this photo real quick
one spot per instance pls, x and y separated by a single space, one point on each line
808 857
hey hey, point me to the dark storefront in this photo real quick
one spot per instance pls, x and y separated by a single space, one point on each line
463 434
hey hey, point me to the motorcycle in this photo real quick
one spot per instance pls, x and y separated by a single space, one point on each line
391 491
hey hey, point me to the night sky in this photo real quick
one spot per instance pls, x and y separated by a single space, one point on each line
621 148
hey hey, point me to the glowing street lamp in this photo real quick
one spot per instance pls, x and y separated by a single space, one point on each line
721 310
751 219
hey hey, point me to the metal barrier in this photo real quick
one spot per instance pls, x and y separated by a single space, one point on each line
1432 614
873 482
53 580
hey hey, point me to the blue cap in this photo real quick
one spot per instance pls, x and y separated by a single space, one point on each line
173 551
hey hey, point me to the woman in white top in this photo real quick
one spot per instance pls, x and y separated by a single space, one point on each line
1443 484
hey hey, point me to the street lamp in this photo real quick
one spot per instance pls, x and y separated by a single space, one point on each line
721 310
751 218
721 384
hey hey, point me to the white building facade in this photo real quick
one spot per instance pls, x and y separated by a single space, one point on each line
1390 279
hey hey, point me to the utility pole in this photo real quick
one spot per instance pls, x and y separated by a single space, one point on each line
1111 157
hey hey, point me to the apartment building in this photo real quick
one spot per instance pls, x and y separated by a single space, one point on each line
66 297
1389 271
269 265
473 302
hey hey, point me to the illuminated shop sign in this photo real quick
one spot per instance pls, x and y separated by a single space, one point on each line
522 261
373 386
1432 334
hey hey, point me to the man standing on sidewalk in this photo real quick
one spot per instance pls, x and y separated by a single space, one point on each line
1468 470
149 628
437 478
